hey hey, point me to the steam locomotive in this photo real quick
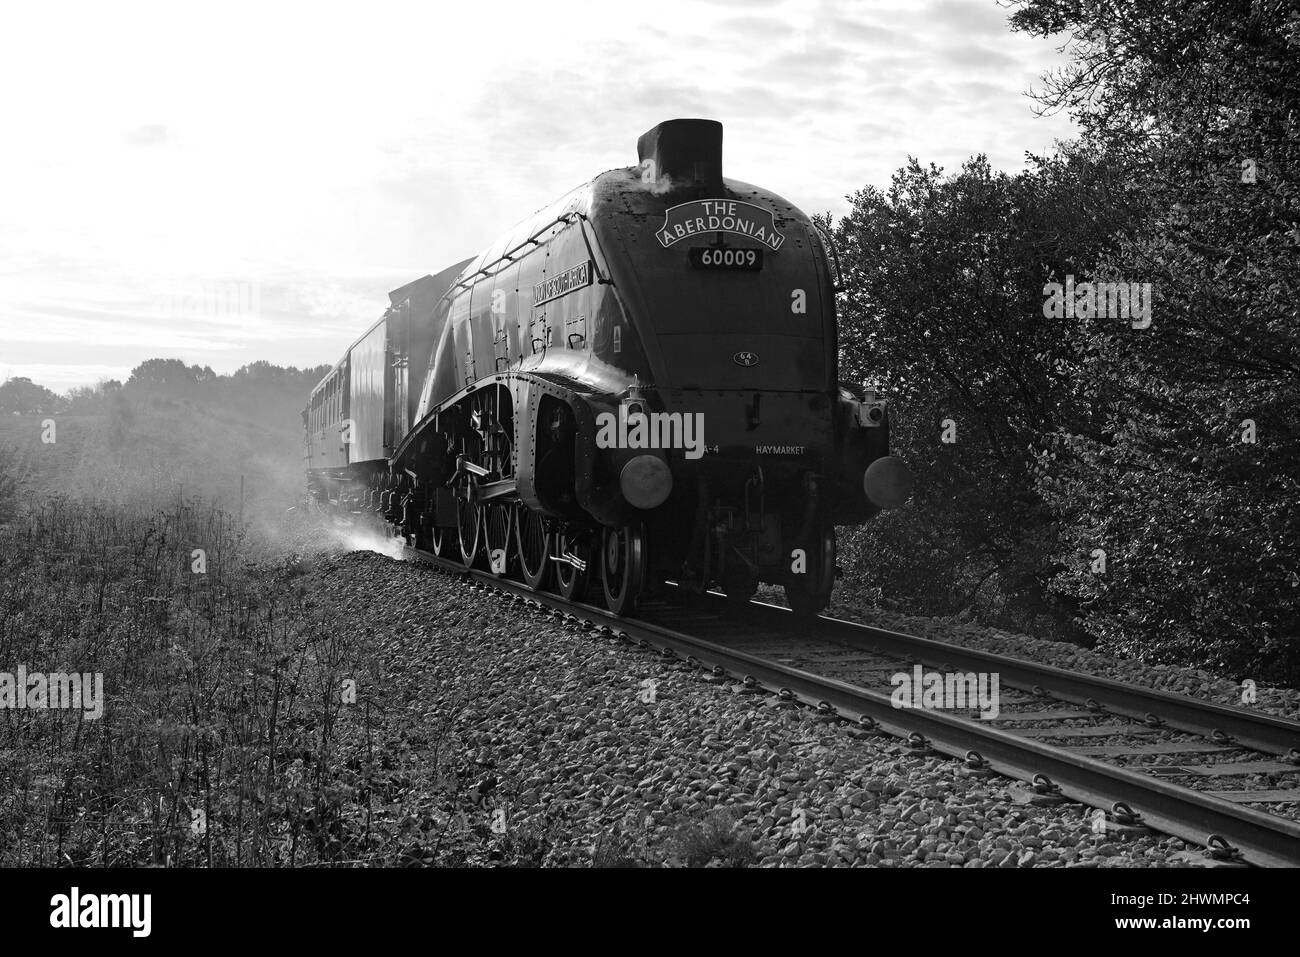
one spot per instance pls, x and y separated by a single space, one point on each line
637 384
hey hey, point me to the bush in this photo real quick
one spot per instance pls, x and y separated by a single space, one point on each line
715 841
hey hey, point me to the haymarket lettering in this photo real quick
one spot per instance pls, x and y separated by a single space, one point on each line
720 216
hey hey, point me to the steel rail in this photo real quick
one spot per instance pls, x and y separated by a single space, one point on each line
1260 839
1254 730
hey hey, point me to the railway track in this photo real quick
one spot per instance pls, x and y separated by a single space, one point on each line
1146 759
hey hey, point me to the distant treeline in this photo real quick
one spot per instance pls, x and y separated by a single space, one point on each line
1132 479
169 429
160 377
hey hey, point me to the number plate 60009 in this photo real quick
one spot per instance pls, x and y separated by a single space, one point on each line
739 260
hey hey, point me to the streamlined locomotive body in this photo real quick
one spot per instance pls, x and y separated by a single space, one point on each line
636 384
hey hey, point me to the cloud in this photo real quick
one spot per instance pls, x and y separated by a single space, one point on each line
856 31
796 66
977 57
969 18
151 134
769 29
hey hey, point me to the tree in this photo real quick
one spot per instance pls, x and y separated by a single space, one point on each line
164 375
945 312
23 396
1201 525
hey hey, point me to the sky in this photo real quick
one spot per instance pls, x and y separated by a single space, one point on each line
231 182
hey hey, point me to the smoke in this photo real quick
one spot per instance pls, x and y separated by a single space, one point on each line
237 451
657 185
359 537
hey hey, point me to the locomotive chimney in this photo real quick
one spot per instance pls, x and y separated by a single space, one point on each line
684 152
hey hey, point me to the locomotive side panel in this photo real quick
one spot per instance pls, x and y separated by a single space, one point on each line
503 305
400 321
428 313
326 412
564 289
369 390
482 332
460 360
439 381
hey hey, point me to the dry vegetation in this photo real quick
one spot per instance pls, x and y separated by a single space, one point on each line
213 683
223 740
220 742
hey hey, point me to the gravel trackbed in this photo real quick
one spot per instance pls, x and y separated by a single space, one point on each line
516 735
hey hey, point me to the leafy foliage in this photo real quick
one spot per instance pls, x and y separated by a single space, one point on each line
1201 528
945 312
24 397
1083 433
